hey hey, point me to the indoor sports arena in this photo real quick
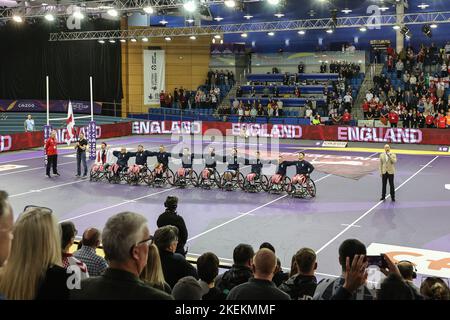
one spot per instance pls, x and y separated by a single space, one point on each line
233 150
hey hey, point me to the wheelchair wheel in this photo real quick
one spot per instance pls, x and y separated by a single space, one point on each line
193 178
240 180
286 184
311 188
93 176
169 177
264 182
147 177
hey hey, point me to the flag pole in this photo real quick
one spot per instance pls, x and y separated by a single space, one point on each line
48 101
92 99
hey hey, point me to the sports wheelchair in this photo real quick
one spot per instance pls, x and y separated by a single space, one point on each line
257 184
209 179
280 187
160 180
304 190
236 182
137 177
116 174
185 177
98 172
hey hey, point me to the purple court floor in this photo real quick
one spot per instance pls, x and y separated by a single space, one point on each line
418 223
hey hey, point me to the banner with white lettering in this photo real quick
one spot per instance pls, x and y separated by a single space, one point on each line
154 75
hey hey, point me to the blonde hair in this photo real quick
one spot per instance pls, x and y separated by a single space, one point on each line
36 247
153 273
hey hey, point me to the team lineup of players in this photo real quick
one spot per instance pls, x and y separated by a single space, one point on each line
233 161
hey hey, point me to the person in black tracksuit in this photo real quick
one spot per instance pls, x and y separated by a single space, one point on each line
257 164
170 217
162 158
141 156
303 168
234 162
122 159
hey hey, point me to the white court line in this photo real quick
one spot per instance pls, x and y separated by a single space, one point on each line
371 209
246 213
119 204
32 169
48 188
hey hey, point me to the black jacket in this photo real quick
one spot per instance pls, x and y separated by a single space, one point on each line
141 157
117 284
54 285
257 165
186 160
282 168
234 162
256 289
161 157
235 276
214 294
301 167
171 218
300 287
175 267
122 158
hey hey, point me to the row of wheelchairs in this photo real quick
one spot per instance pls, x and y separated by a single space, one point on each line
207 179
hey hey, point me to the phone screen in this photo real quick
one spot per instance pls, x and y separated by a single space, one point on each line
376 261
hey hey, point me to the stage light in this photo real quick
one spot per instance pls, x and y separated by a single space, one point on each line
145 39
423 6
168 38
190 6
271 34
17 18
101 41
218 19
302 32
123 40
163 22
396 27
244 35
363 29
149 10
133 40
433 26
112 41
279 15
193 37
248 16
49 17
217 36
230 3
190 20
112 12
330 31
274 2
346 11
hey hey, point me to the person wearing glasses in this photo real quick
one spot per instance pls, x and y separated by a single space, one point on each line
126 239
72 264
6 225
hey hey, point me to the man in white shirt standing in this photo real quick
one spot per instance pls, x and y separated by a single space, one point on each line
29 124
348 99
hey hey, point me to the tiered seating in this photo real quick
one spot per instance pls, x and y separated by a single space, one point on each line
287 102
286 89
278 77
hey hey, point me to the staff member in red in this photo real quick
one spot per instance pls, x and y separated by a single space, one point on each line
52 154
346 117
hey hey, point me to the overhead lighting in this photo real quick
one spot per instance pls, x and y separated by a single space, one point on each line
133 40
123 40
346 10
17 18
302 32
190 6
101 41
363 29
78 15
163 22
218 18
168 38
274 2
433 26
149 10
217 36
279 15
49 17
112 41
230 3
396 27
190 20
244 35
193 37
271 34
145 39
330 31
214 41
221 41
248 16
112 12
423 6
384 9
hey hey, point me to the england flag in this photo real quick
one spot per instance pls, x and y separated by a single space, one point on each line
70 130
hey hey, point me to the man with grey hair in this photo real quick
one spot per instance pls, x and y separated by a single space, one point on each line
174 265
126 238
387 171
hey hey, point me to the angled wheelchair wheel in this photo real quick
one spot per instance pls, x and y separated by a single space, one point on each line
240 180
169 177
287 184
311 188
193 178
264 182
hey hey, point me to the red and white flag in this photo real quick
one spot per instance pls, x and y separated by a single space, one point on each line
70 130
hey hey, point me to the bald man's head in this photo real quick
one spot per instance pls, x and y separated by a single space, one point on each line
264 263
91 237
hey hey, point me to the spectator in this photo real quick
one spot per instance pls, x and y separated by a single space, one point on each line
327 288
434 288
29 124
68 233
170 217
279 276
174 265
408 272
96 264
208 269
37 273
393 118
240 272
302 285
187 288
126 239
316 121
153 274
6 227
261 286
346 117
253 113
162 99
348 100
395 288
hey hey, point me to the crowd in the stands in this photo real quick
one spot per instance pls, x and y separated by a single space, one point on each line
421 100
139 264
